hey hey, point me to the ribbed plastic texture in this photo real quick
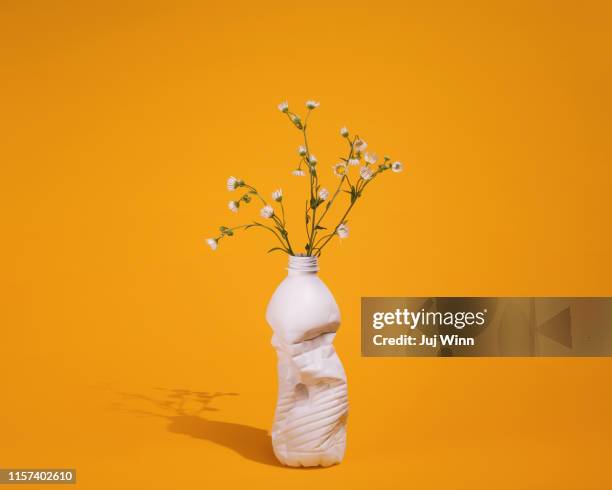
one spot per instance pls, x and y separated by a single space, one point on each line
301 263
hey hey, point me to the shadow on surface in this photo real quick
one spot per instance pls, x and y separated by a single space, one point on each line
250 442
182 409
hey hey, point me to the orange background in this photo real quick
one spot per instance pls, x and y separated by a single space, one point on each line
121 122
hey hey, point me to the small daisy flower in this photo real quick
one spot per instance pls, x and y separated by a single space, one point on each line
212 243
277 195
354 162
323 194
340 169
360 145
312 160
370 158
343 230
302 150
283 107
298 172
344 132
267 211
233 183
312 104
397 167
233 205
366 173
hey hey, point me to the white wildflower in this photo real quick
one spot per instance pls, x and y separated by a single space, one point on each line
397 167
298 172
277 195
360 145
370 158
343 230
212 243
340 169
302 150
312 104
354 162
233 183
312 160
323 194
366 173
344 132
267 211
283 107
233 205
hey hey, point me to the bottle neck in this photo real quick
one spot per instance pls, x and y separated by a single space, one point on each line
300 264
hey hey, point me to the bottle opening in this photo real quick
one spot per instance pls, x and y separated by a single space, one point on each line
303 263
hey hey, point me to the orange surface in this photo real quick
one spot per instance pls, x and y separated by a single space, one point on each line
121 122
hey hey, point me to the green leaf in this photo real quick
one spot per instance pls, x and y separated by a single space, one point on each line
319 227
229 232
276 248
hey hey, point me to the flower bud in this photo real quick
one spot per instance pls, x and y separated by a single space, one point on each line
297 121
277 195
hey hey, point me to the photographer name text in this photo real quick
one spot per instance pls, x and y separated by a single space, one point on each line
418 319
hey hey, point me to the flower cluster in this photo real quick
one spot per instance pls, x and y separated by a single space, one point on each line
320 199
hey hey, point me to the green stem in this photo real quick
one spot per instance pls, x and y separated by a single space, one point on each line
285 247
283 211
363 183
254 191
274 217
320 239
344 177
255 224
306 221
232 229
285 235
314 180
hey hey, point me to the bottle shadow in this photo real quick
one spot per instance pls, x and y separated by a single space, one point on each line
183 410
249 442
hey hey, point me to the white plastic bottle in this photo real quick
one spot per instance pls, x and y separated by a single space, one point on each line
310 420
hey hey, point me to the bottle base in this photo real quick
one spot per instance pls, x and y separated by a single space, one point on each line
308 459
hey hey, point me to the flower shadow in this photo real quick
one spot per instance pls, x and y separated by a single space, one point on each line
183 410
